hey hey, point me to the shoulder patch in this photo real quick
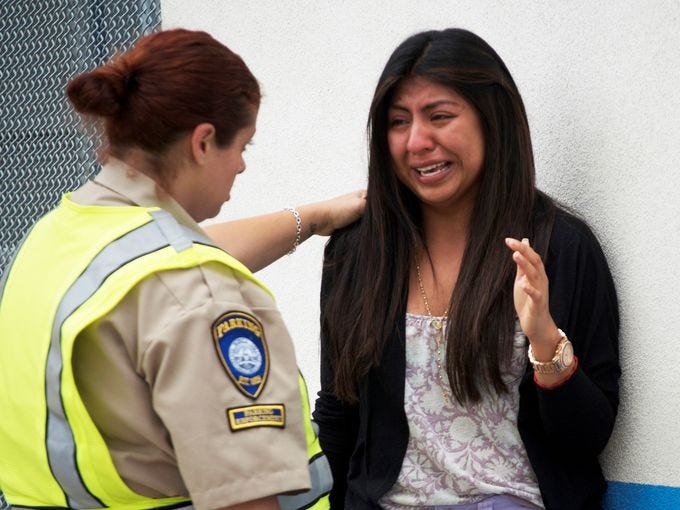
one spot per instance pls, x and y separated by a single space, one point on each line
261 415
242 349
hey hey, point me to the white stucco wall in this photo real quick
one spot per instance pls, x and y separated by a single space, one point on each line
600 82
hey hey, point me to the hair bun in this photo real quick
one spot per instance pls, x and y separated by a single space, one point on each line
103 91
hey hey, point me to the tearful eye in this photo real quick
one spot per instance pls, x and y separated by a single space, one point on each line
442 116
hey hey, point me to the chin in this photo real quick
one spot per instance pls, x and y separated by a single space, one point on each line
211 215
204 215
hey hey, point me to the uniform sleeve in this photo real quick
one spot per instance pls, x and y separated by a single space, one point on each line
581 412
338 421
223 376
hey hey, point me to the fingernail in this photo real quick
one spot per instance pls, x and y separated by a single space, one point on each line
525 241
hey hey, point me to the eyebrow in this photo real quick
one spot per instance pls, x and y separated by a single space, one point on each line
428 106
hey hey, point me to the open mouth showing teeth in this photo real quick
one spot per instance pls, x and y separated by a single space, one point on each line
432 169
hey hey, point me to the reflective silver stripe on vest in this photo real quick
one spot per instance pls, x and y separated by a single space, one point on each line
322 482
4 505
61 448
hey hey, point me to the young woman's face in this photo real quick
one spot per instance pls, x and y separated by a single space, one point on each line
436 143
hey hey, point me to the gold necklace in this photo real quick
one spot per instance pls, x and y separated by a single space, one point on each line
438 326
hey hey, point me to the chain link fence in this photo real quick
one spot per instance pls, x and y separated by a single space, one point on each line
44 149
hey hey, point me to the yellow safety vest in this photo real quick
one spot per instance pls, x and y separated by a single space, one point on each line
74 266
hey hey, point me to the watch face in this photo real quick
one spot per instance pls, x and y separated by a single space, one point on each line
567 354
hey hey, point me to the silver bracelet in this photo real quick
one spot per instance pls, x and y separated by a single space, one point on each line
298 227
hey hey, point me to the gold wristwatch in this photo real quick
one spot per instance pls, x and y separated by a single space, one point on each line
563 358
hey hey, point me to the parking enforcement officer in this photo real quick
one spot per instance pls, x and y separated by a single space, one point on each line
142 366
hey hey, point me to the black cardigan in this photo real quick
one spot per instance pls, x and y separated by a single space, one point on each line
563 429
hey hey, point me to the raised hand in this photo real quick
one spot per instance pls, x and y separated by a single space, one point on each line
531 299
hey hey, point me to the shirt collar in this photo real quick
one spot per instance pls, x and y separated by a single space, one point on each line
141 190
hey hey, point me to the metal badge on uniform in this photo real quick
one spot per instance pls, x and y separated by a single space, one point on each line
242 349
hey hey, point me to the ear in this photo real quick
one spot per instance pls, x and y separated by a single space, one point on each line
202 138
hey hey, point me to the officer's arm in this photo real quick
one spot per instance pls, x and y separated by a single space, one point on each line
260 240
268 503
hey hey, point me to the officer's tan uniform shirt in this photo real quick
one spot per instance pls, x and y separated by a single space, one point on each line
151 377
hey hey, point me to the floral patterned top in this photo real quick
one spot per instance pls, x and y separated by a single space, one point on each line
458 453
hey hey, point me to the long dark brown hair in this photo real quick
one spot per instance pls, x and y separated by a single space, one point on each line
370 281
